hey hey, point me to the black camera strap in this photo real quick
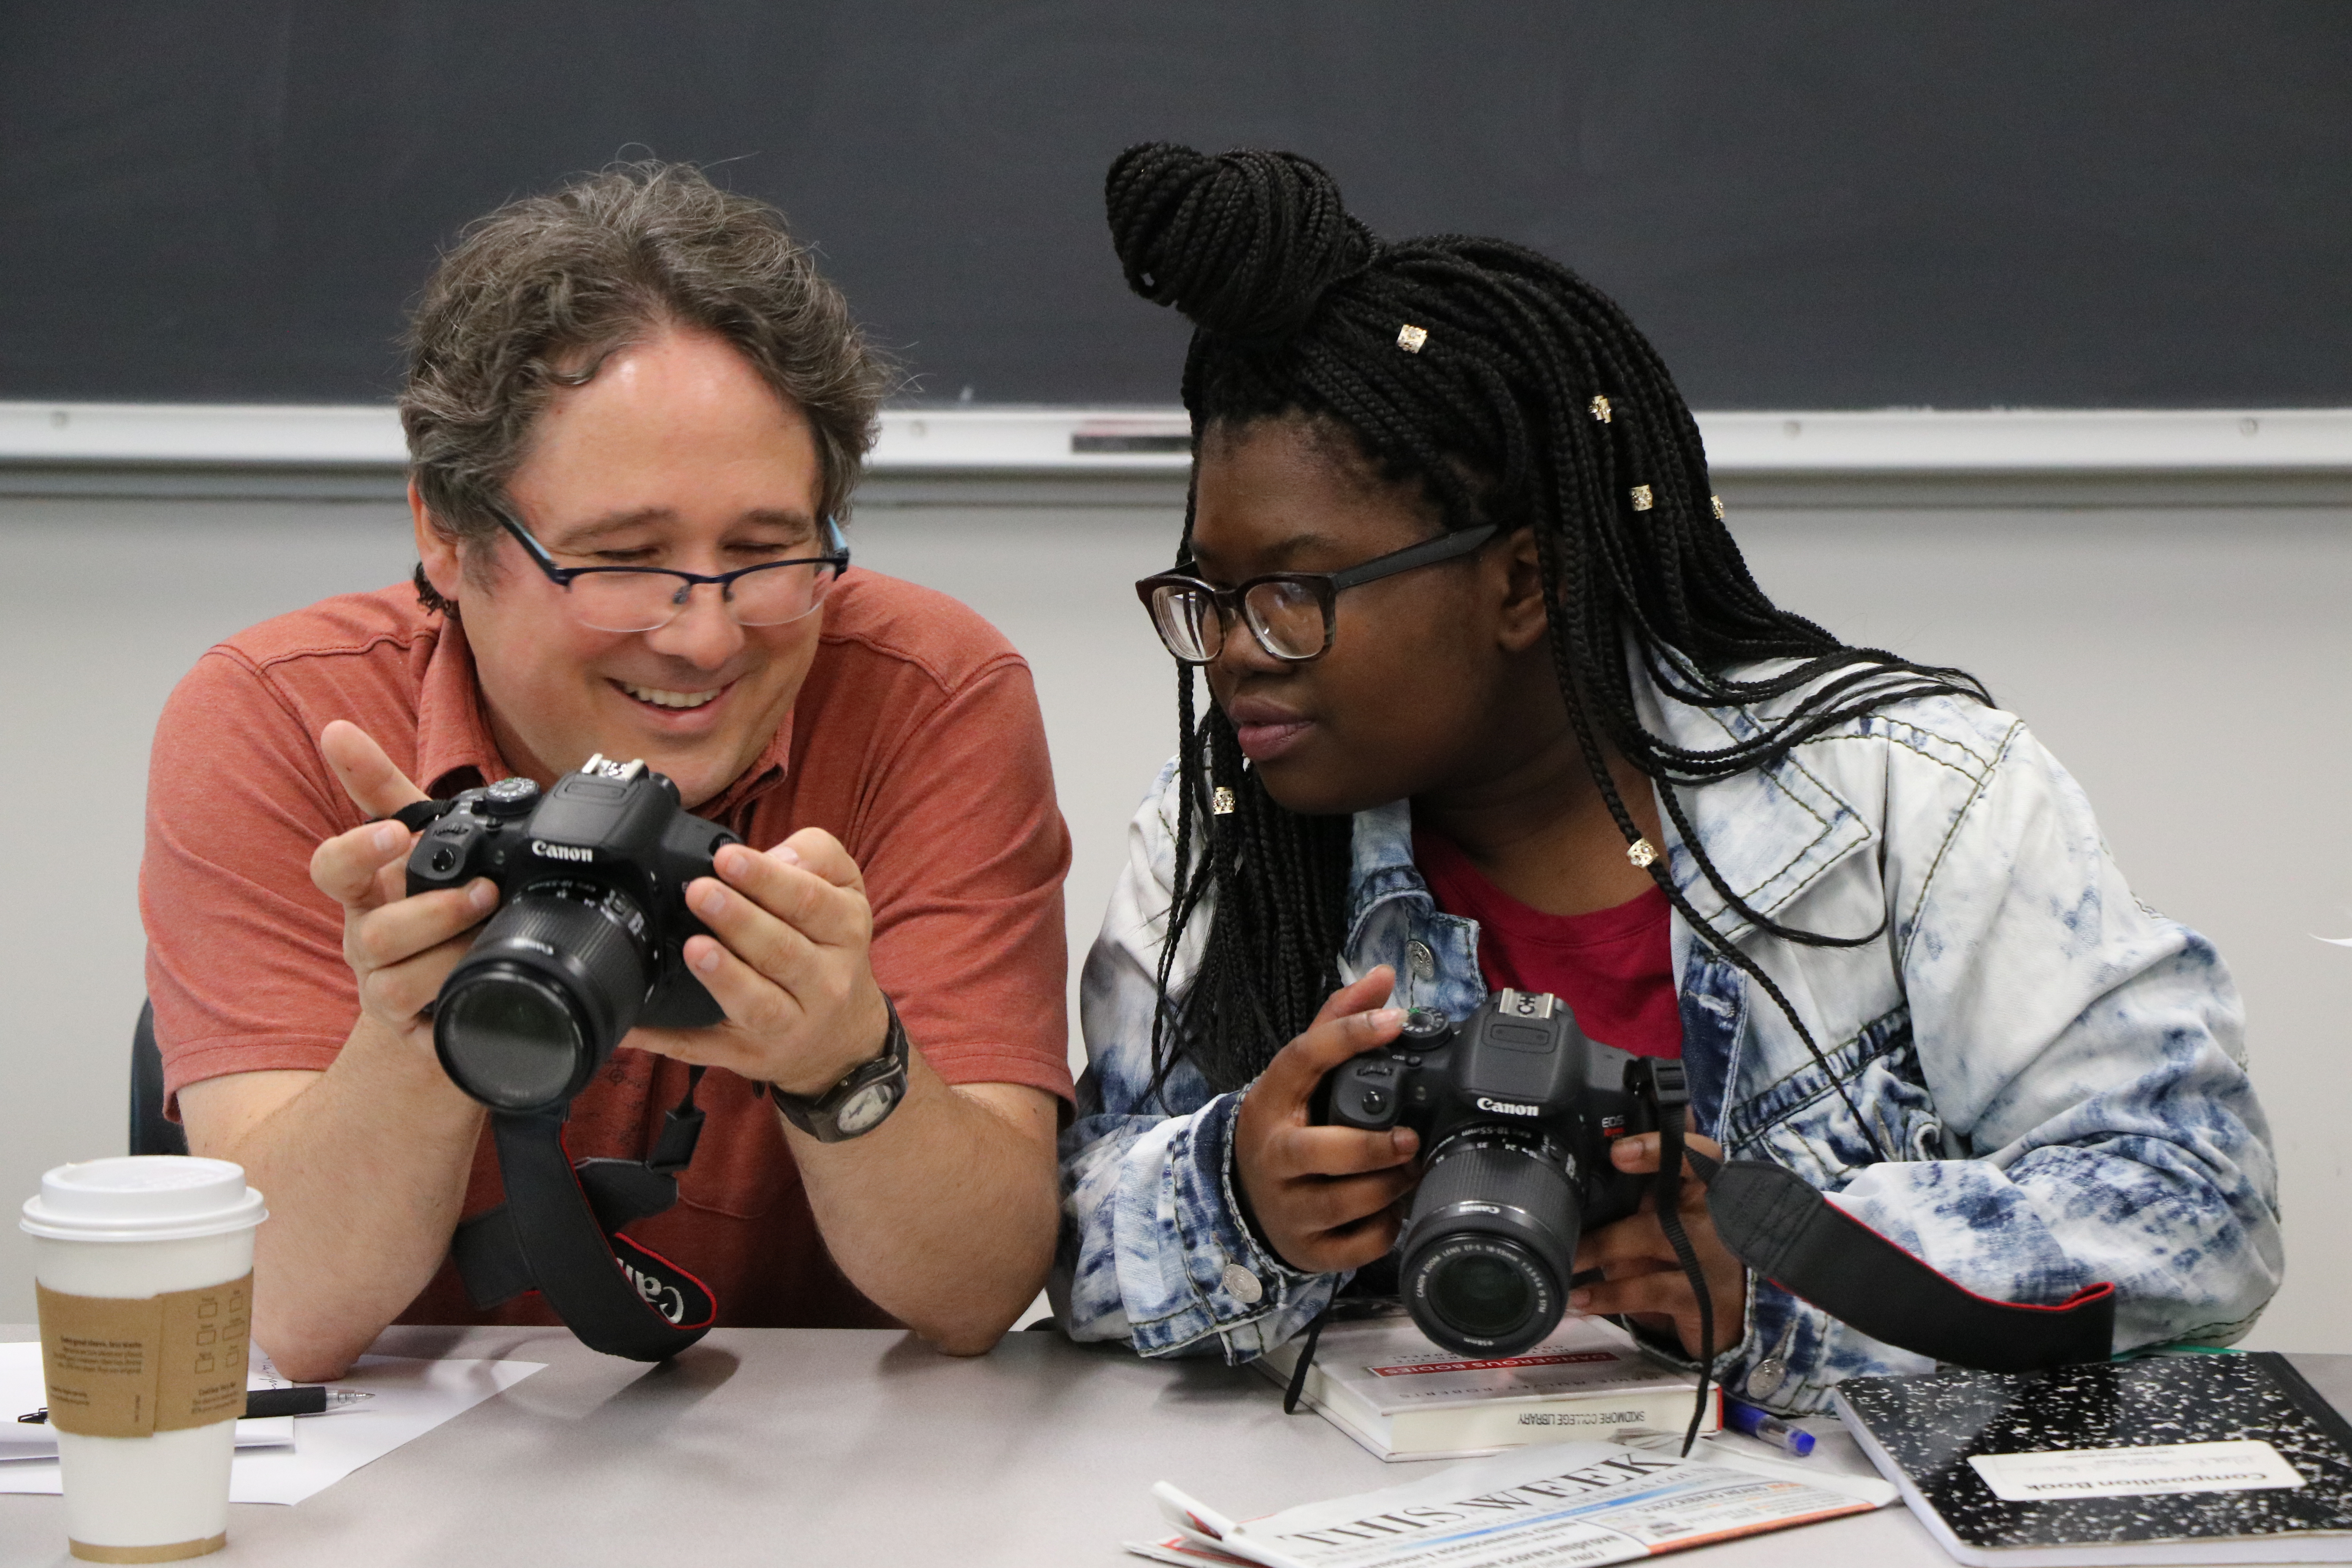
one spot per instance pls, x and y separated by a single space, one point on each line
559 1233
1774 1222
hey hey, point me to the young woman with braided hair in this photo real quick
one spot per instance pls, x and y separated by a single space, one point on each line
1495 702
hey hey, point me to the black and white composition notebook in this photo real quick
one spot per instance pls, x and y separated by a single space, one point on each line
2171 1459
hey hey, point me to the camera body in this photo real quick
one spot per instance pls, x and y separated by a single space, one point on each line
588 940
1515 1107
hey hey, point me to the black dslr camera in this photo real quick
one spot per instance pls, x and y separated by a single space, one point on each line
1516 1110
586 944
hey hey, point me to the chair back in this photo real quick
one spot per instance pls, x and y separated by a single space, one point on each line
151 1131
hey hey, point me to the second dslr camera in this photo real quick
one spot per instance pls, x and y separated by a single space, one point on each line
588 941
1515 1108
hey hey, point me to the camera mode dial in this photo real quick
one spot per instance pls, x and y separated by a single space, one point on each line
511 797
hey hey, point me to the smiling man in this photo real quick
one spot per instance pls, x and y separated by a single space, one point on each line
636 414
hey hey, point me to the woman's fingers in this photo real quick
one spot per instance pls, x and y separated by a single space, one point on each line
1636 1154
1336 1203
1351 1246
1343 1029
1293 1152
1664 1292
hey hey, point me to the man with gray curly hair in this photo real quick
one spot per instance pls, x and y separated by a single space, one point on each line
636 414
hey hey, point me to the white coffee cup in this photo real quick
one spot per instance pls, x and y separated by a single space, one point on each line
145 1267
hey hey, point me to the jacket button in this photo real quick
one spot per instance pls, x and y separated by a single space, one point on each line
1241 1285
1424 963
1765 1378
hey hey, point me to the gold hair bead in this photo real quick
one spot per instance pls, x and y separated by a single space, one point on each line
1641 853
1717 502
1221 802
1410 338
1599 406
1640 498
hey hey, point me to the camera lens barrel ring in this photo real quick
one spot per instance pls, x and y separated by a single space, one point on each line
545 994
1491 1241
1479 1293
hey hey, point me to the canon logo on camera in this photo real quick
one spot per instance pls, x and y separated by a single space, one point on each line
1504 1108
539 846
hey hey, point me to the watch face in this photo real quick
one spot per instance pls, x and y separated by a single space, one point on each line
866 1108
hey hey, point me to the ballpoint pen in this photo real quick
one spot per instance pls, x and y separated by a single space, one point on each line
260 1403
1760 1424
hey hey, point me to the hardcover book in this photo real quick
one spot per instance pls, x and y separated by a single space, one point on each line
2171 1459
1381 1380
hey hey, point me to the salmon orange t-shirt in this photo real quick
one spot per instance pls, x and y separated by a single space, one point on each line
915 741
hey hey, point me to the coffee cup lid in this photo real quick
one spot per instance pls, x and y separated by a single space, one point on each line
142 1197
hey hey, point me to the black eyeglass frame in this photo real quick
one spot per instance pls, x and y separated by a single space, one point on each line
836 556
1231 602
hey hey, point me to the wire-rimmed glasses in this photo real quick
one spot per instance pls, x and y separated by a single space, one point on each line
1289 613
647 598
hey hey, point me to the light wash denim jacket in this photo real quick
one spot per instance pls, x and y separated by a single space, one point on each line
2057 1070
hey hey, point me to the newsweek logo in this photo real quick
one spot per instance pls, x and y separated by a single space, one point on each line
1508 1108
542 847
1565 1358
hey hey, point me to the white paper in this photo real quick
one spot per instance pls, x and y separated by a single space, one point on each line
23 1390
412 1397
2250 1465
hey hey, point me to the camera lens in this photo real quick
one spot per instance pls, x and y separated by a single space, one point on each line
1482 1294
548 989
518 1038
1489 1246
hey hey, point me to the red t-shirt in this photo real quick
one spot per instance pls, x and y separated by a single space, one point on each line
1614 968
916 741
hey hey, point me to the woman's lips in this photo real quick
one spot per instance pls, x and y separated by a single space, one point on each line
1262 742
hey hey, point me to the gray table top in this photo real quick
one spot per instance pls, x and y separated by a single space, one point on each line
831 1445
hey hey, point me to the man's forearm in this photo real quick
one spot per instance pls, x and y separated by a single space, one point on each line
943 1216
364 1170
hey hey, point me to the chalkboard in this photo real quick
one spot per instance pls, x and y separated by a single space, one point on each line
2104 202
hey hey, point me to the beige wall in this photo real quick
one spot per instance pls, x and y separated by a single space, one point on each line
2184 663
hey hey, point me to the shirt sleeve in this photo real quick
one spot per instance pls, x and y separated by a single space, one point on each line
965 852
2085 1056
245 959
1153 1250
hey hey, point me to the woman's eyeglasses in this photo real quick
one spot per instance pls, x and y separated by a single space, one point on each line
646 598
1289 613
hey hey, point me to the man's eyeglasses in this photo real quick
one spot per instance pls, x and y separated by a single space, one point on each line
646 598
1289 613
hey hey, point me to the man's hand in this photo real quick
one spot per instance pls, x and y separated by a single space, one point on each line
1325 1196
400 949
1644 1280
789 966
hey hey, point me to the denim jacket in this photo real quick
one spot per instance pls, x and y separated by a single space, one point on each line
2055 1071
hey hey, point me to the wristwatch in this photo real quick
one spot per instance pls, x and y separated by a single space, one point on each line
861 1101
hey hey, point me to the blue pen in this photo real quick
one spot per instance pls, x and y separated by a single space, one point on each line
1760 1424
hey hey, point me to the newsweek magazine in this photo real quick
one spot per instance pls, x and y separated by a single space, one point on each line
1578 1503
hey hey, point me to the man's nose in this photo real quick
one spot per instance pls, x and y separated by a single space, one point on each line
704 633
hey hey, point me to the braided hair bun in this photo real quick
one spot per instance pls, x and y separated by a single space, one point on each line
1245 244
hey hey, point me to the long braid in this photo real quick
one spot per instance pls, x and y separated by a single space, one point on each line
1533 402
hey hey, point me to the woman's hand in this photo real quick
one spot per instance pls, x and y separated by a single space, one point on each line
1324 1196
789 966
400 949
1644 1281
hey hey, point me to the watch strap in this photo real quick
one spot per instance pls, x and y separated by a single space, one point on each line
819 1116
